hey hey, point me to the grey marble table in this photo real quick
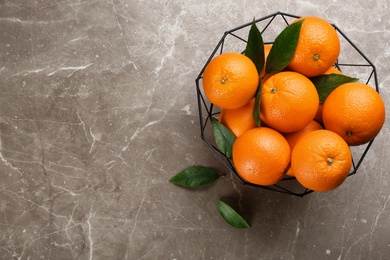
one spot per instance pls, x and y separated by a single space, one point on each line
98 110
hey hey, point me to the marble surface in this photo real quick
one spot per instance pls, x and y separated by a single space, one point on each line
98 110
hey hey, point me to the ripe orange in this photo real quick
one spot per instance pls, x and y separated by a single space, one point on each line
289 101
318 47
318 116
355 111
238 120
294 137
230 80
333 70
261 156
321 160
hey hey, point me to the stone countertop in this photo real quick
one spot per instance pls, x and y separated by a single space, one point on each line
98 110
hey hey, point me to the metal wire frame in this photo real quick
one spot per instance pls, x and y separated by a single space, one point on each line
287 185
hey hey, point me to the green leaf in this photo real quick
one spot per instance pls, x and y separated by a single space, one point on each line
326 83
223 137
255 47
231 216
256 108
195 176
283 48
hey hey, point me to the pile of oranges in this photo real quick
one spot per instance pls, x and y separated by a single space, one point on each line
298 136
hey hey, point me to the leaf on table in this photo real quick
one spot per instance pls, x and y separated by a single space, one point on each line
195 176
231 216
283 48
326 83
224 138
255 47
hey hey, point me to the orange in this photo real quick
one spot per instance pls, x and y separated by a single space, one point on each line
293 138
333 70
289 101
321 160
318 47
261 156
238 120
355 111
318 116
230 80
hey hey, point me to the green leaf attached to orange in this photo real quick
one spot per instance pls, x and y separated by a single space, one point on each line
255 51
283 48
255 47
224 138
326 83
256 108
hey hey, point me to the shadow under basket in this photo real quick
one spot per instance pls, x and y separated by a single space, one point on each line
351 62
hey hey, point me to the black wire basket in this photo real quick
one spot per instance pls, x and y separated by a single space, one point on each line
351 62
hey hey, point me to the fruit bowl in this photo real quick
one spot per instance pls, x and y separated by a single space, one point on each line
351 61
